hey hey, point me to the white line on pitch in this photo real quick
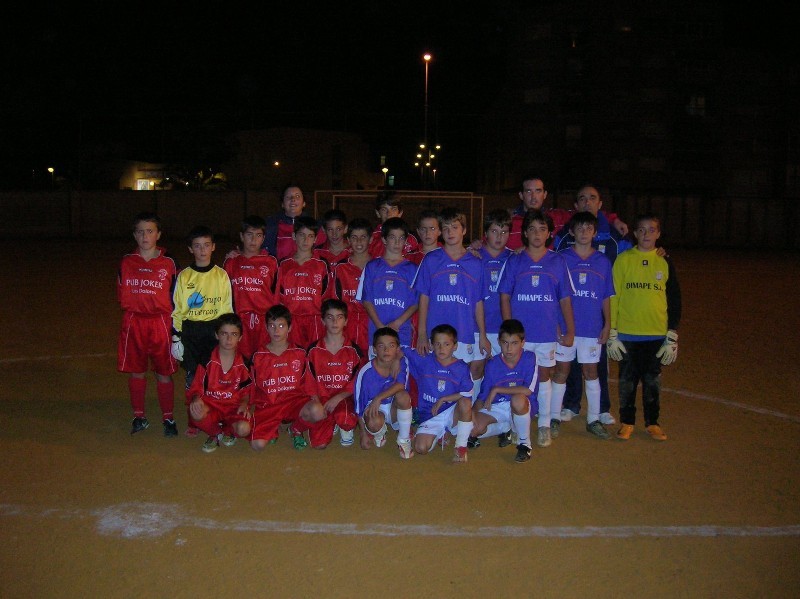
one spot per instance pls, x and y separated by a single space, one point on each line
46 358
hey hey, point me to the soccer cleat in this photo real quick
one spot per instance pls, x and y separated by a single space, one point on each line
607 418
523 453
210 445
657 432
543 438
625 431
170 430
567 415
598 430
379 438
227 440
139 424
555 428
504 439
460 455
298 441
405 449
473 442
346 437
514 438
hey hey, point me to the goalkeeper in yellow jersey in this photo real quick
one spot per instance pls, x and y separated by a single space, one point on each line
645 314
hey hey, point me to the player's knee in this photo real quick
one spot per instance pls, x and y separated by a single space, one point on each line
403 400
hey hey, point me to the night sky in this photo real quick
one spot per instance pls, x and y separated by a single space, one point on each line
103 79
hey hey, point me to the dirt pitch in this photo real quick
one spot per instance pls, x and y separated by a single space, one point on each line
86 509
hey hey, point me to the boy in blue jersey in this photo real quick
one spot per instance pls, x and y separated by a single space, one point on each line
385 288
590 271
450 285
381 394
509 386
494 254
445 393
536 289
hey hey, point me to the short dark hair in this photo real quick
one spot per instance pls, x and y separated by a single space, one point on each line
646 216
499 216
445 329
387 198
392 224
580 218
429 213
146 217
279 311
306 222
385 332
333 214
359 224
228 318
538 216
253 221
199 231
530 176
448 215
333 304
512 326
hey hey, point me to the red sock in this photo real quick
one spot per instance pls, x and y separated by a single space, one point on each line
166 398
137 387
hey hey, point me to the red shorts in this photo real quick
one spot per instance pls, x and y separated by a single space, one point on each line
358 329
321 433
254 333
306 328
267 418
219 419
146 339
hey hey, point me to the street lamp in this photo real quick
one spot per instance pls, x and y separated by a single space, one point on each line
427 58
52 172
384 170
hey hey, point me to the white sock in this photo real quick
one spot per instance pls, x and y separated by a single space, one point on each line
522 422
592 400
557 399
544 403
404 421
495 428
463 429
476 389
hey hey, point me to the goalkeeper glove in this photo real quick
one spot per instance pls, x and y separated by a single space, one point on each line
614 346
668 352
177 348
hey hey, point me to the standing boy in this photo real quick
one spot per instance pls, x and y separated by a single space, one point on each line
535 288
442 379
387 206
381 394
279 377
429 231
145 283
202 293
333 363
335 249
509 388
386 289
218 398
303 281
347 279
254 276
494 254
645 315
590 272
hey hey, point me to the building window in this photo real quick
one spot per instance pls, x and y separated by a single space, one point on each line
696 105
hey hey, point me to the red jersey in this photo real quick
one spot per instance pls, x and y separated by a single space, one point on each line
220 388
332 259
377 249
346 277
417 256
303 286
146 286
330 373
253 282
278 378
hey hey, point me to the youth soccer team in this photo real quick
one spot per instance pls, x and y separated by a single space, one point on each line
353 328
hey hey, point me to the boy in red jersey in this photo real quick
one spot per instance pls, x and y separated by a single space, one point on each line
254 277
429 231
346 279
278 372
217 400
303 282
145 284
336 248
387 206
333 364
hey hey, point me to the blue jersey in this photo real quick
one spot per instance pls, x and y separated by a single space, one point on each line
453 287
370 383
593 283
535 290
491 298
524 373
388 289
435 381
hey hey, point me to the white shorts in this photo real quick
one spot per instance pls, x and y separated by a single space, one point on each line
469 352
494 339
586 348
439 424
501 412
386 410
545 352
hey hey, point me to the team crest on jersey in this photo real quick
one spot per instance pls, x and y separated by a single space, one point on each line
440 385
645 262
582 278
162 274
659 275
494 274
454 279
469 349
317 279
350 366
389 284
601 248
534 280
264 270
296 364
